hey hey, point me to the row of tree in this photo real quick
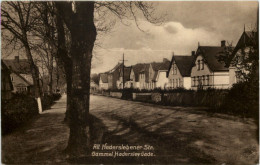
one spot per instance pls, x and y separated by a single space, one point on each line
65 33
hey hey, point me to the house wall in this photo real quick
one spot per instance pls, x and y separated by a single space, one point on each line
174 77
151 84
232 76
102 85
198 74
187 82
142 81
110 81
205 78
19 84
162 80
221 80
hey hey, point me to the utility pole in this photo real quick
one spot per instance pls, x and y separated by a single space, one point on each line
124 70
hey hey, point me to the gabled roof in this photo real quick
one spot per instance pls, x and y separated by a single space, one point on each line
210 54
248 38
184 64
18 66
139 68
127 71
157 66
116 67
103 77
26 82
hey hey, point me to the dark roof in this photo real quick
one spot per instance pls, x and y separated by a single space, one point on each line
117 66
210 54
184 64
18 66
127 71
139 68
247 38
159 66
103 77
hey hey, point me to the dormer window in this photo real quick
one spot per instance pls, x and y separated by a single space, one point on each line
198 65
175 69
202 65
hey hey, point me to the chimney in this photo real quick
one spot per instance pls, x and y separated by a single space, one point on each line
16 58
223 43
193 53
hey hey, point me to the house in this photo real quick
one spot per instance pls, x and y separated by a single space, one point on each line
93 86
21 77
236 67
179 72
160 76
143 76
207 71
134 74
103 81
6 84
113 76
128 80
157 74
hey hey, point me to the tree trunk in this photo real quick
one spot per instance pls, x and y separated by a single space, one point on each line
35 77
80 23
50 82
83 37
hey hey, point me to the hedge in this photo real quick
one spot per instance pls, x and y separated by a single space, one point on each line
20 109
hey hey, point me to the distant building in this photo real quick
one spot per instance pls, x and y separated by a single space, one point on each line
236 67
179 72
21 76
159 79
93 86
129 83
144 76
154 78
135 74
113 76
207 71
103 81
6 84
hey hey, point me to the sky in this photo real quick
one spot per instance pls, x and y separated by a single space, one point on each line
185 24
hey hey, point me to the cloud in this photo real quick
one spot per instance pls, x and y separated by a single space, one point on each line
171 29
154 44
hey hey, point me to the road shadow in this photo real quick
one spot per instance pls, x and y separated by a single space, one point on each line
168 149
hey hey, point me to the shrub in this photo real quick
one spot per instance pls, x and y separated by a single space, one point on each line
17 111
48 100
242 100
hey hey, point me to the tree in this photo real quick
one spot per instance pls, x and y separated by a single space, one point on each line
79 20
17 19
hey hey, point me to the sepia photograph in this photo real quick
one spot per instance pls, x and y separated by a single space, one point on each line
130 82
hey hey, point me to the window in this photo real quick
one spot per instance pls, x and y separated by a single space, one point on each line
172 69
177 83
173 83
198 65
207 80
193 80
203 80
202 65
175 69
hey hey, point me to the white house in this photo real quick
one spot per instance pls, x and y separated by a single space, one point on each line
207 71
103 81
179 72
